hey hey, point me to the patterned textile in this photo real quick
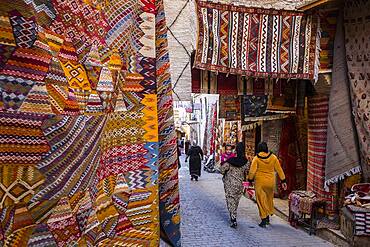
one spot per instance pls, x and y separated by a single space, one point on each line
317 138
342 156
271 133
229 107
250 144
232 132
219 139
300 202
255 42
169 201
356 24
288 155
328 26
362 218
254 106
86 157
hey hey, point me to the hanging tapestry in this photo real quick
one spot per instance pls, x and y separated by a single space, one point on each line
328 25
219 144
250 143
286 101
87 143
342 157
357 28
229 107
255 42
195 76
317 137
254 106
227 84
271 132
169 200
232 132
288 155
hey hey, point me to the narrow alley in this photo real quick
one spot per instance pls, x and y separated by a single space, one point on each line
204 218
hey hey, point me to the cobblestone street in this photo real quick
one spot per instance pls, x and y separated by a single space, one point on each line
205 219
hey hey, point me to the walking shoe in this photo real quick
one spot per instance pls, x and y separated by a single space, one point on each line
196 178
268 220
191 178
263 223
233 223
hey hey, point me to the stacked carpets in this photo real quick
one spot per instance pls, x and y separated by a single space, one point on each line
318 106
87 142
362 220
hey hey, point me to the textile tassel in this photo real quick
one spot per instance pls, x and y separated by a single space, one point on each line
341 177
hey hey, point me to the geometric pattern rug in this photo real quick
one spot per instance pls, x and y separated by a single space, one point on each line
87 151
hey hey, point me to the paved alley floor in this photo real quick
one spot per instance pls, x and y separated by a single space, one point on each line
205 219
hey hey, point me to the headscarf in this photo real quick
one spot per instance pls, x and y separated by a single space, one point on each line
240 159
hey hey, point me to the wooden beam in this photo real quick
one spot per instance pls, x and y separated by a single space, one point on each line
312 4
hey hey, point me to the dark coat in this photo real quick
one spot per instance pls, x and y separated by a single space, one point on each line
195 155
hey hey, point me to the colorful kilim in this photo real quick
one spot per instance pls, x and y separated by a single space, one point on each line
87 144
318 107
255 42
169 201
230 107
356 24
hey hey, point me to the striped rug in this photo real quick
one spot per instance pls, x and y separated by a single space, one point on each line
318 107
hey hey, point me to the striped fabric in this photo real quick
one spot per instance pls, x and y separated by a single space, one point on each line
255 42
318 107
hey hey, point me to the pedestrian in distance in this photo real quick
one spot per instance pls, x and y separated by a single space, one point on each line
262 172
234 172
195 154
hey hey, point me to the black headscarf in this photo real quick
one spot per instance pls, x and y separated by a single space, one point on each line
240 159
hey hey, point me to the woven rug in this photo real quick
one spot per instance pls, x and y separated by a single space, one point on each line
318 107
271 132
357 24
328 25
342 157
229 107
255 42
87 140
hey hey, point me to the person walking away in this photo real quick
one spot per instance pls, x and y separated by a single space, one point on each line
234 172
262 171
228 153
195 154
178 157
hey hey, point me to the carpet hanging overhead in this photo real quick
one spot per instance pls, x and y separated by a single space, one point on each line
255 42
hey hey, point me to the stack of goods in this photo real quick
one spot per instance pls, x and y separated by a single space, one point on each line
361 218
360 196
300 202
355 219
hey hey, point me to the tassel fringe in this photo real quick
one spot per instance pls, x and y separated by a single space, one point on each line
341 177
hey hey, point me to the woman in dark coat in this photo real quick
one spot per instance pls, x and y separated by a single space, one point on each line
196 156
234 171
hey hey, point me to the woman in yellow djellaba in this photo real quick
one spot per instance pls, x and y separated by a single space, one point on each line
262 171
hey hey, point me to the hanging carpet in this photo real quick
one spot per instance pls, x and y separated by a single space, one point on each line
342 157
357 28
255 42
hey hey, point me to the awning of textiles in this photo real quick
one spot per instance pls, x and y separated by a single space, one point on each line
255 42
